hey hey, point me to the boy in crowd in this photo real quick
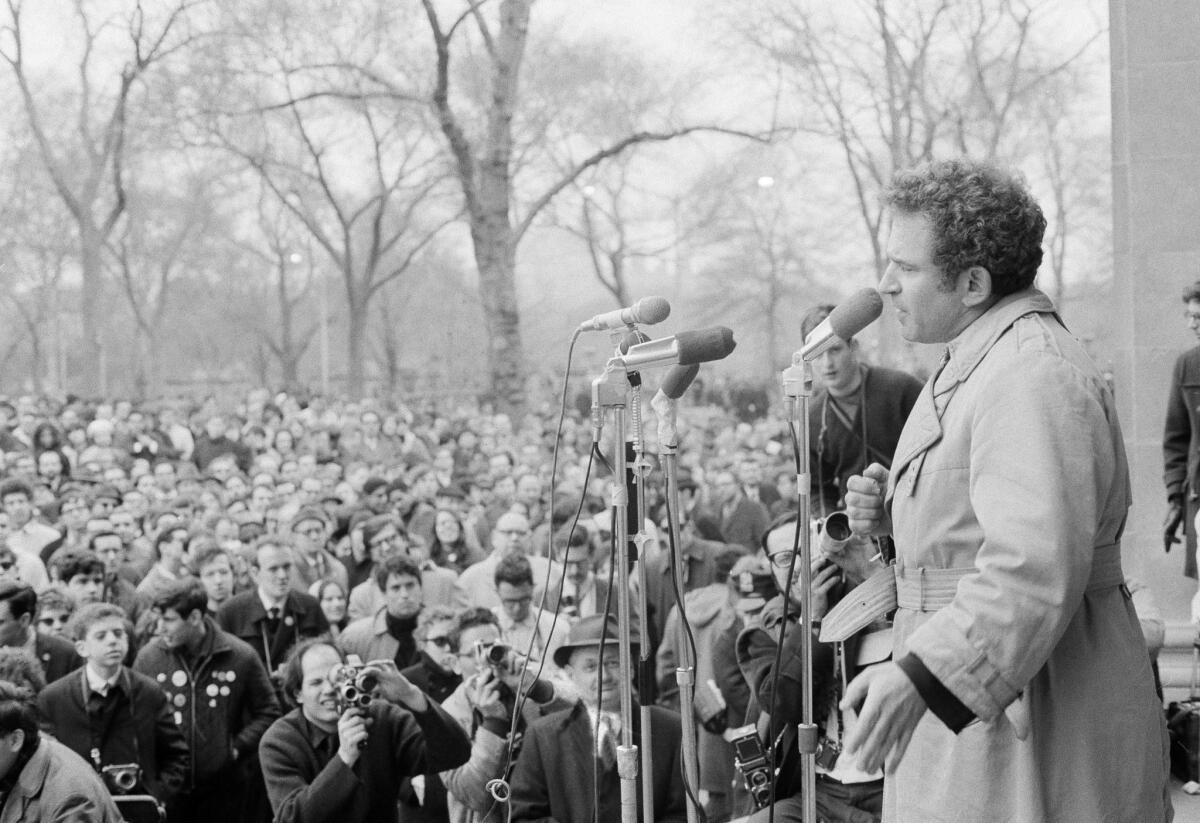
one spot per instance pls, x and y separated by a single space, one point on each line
111 715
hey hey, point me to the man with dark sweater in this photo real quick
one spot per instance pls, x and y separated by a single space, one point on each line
855 417
326 762
389 635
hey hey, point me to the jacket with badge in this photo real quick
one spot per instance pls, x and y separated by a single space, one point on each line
222 700
1010 486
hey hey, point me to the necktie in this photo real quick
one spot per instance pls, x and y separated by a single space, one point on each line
273 619
606 746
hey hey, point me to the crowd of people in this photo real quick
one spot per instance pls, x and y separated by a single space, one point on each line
308 609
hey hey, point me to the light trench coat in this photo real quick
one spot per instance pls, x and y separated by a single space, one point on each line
1010 484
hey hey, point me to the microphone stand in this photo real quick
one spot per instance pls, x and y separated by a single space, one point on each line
685 674
797 386
610 392
646 663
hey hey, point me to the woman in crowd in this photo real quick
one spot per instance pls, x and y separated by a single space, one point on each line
333 600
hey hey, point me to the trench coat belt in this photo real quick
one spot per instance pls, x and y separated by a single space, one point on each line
928 590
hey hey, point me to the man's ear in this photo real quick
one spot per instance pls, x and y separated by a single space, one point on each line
974 286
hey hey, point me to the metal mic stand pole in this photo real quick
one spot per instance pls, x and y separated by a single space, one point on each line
797 386
610 391
646 663
685 674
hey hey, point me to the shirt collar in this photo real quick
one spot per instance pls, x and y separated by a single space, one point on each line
98 684
269 604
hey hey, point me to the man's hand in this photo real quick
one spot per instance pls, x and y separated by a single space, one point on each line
1172 523
864 502
891 708
352 735
395 687
484 694
824 577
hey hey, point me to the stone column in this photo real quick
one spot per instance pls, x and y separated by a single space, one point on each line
1156 244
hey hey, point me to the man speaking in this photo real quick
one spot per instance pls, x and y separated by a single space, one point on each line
1020 687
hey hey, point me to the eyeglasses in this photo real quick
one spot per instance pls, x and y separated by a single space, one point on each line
513 532
314 532
781 560
441 641
516 601
611 665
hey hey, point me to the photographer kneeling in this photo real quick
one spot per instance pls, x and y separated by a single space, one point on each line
340 755
843 792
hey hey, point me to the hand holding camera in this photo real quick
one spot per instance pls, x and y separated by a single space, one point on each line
394 687
353 726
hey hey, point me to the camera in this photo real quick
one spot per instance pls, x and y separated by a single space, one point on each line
353 686
827 754
751 761
504 659
121 778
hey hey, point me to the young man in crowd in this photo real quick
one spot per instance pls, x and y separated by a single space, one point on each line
273 616
390 633
221 695
113 716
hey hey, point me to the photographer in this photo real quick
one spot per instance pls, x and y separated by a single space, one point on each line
332 760
484 705
843 792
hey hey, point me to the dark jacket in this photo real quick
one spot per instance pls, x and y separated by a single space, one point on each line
431 678
837 452
224 696
57 656
1181 457
56 785
137 727
244 617
552 780
304 786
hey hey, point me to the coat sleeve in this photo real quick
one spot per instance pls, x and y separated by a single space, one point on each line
529 799
261 707
1042 483
295 798
468 782
1177 434
756 657
429 741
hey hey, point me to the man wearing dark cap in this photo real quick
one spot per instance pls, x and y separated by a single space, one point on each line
566 748
312 561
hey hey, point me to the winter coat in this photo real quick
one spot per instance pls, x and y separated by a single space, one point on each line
222 700
58 786
1008 494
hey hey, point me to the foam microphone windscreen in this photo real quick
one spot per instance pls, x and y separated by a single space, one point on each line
651 310
853 315
704 345
678 379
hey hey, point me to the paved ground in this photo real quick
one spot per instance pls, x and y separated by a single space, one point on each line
1187 807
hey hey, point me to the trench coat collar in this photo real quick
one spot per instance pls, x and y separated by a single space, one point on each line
976 340
963 354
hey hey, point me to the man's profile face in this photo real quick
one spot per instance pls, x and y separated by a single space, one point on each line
1193 317
436 643
471 642
317 697
176 631
928 311
13 631
111 550
402 595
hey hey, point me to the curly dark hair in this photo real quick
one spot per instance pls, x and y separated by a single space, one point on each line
981 216
1191 292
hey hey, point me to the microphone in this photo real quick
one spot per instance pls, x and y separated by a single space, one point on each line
673 386
848 319
678 379
685 349
647 311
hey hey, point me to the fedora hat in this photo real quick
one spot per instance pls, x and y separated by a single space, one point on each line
587 633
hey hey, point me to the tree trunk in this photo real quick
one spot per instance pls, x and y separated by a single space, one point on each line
89 381
355 343
498 289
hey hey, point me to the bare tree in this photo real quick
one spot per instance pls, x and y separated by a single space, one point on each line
87 163
485 157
